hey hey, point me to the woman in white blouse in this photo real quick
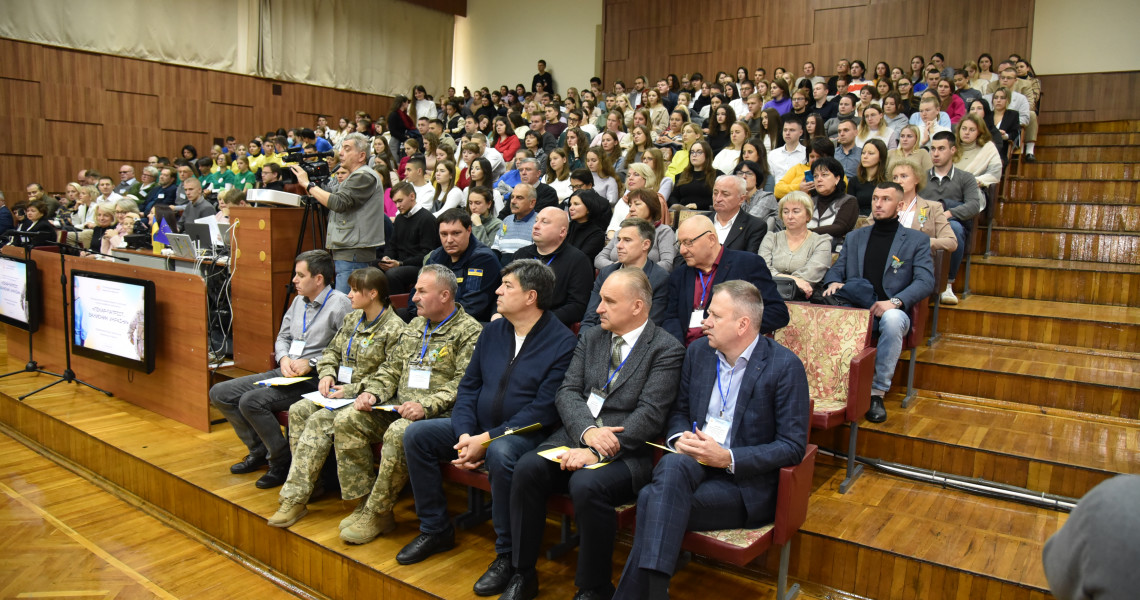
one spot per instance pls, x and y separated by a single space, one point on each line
447 195
605 179
558 173
727 159
976 152
873 126
796 253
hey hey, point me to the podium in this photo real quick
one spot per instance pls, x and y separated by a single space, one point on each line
262 264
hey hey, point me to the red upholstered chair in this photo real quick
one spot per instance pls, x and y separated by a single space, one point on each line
742 546
837 350
399 300
914 339
941 276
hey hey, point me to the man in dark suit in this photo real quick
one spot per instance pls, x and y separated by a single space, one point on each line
708 263
507 387
893 263
545 196
634 241
615 397
735 228
741 415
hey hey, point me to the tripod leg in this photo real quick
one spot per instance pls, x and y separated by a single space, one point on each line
36 391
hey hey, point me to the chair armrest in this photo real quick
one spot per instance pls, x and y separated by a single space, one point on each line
792 496
859 380
918 314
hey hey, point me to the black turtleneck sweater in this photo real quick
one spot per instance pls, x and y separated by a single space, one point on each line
878 254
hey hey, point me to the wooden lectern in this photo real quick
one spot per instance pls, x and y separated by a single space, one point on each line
262 262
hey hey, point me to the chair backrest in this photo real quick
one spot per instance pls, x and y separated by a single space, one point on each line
826 338
399 300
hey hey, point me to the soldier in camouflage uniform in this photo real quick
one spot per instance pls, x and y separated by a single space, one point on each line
364 341
420 378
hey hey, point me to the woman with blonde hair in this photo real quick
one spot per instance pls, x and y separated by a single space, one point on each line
909 149
874 127
796 254
605 178
655 160
658 114
976 152
727 159
918 213
690 134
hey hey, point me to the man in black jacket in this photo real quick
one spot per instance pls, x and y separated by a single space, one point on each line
735 228
415 234
573 272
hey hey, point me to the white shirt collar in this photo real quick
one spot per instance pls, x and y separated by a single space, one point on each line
630 340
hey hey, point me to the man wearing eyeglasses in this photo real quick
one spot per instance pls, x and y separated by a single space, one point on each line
126 180
707 263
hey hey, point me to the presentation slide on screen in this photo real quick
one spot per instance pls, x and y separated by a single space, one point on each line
13 290
109 317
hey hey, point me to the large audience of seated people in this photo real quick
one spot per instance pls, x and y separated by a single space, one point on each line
602 264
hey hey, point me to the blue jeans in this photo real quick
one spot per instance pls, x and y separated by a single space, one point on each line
960 251
427 443
893 327
345 268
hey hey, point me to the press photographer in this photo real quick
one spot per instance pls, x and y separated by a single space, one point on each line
356 219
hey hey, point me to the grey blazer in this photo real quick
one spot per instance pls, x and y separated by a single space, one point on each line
640 396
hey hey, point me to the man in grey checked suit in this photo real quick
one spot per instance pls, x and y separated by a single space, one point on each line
615 397
741 414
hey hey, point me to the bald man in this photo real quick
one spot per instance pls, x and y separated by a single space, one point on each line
707 263
573 270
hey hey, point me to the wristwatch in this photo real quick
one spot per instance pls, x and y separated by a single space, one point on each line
313 362
896 302
310 186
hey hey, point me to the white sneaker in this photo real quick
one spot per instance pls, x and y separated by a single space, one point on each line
948 296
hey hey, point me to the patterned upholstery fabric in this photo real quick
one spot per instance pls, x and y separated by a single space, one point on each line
825 338
741 538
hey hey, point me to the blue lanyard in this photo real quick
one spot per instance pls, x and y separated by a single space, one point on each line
427 336
552 257
704 287
723 395
614 374
305 315
348 351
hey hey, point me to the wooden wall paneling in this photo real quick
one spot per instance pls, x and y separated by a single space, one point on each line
791 58
184 112
78 104
229 119
897 19
21 60
20 98
838 33
698 37
22 135
829 4
75 139
685 64
617 21
129 75
897 51
1008 14
229 88
1004 42
18 172
171 142
72 68
1106 96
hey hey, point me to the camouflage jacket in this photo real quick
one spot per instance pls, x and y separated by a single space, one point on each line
448 351
371 347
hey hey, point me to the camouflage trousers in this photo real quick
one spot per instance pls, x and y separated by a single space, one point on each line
314 431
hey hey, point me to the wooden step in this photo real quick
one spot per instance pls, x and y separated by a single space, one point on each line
1074 190
1080 170
1087 154
1092 127
1067 244
892 538
1034 377
1123 218
1056 280
1087 326
1045 453
1088 139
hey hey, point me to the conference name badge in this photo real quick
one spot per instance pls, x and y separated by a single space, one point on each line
696 318
717 429
595 401
296 348
419 376
344 374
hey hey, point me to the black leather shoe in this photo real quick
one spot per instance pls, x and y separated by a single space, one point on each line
248 464
599 593
877 413
425 545
498 575
276 476
1030 158
521 587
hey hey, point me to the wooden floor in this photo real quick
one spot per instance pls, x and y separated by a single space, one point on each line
186 472
65 537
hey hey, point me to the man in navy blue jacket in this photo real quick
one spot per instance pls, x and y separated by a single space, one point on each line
741 415
475 266
707 263
510 383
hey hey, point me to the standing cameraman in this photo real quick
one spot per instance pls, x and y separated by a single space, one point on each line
356 210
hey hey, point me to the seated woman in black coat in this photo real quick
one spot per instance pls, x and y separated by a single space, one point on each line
695 183
35 219
589 215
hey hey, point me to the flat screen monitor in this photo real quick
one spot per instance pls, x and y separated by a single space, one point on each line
19 293
113 319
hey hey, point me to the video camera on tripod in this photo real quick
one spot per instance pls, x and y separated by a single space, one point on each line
316 168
